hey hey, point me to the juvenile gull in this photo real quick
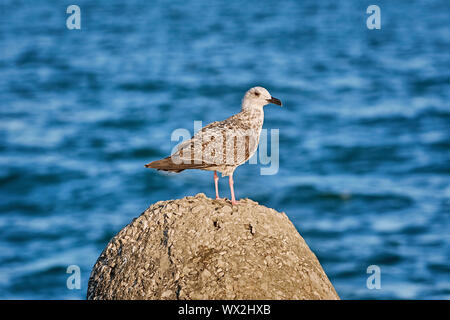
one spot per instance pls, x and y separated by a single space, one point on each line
223 145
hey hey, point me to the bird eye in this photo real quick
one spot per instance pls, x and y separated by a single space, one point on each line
257 93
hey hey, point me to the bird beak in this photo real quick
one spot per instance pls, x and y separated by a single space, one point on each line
274 101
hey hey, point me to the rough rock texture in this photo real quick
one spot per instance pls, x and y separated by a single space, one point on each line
199 248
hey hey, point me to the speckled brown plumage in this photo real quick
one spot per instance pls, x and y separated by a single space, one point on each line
222 145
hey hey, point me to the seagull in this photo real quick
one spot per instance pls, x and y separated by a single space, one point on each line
222 145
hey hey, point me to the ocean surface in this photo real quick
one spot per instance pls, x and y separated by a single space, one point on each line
364 133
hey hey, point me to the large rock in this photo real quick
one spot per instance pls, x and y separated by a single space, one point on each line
199 248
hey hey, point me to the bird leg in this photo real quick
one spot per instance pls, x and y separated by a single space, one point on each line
233 200
216 183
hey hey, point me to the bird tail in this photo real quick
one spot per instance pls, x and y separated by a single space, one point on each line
167 164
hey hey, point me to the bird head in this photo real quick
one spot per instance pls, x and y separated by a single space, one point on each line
258 97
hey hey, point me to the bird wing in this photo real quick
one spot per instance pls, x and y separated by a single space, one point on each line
228 142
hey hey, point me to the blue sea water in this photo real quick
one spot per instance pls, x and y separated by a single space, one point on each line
364 133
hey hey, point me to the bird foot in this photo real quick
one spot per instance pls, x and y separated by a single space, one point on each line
235 202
